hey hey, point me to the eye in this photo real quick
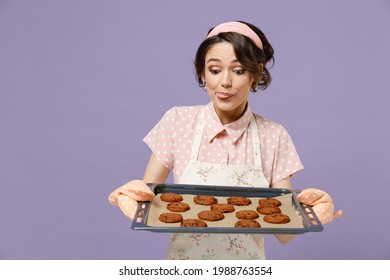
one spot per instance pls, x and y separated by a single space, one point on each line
214 71
239 71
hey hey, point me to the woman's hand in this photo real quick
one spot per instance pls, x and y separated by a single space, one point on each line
127 196
321 202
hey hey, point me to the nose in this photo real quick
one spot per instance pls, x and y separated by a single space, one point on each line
226 81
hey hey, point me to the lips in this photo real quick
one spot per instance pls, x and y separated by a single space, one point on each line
223 95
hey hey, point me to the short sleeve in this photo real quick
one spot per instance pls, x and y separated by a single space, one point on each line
161 138
287 161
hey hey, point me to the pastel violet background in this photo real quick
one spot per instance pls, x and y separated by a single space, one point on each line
82 82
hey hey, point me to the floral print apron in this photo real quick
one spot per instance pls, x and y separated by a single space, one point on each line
220 246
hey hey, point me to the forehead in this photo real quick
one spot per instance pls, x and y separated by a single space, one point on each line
223 51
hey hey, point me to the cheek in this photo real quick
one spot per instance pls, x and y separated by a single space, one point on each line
245 86
250 82
211 81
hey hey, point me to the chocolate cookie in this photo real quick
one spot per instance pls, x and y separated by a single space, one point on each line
210 215
178 207
205 199
193 223
247 214
277 218
224 208
170 217
171 197
239 200
269 202
247 224
266 210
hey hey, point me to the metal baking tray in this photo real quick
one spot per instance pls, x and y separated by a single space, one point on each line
305 220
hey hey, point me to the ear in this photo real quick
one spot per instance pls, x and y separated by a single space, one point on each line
256 81
203 79
261 67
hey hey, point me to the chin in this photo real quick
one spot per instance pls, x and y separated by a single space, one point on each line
223 106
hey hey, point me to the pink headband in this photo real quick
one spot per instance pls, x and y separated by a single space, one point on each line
238 27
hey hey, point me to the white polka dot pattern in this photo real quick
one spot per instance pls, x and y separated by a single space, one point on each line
321 202
127 196
171 141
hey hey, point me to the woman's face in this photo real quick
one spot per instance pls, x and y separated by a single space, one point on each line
227 82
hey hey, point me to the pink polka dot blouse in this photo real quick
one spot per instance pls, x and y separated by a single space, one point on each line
171 142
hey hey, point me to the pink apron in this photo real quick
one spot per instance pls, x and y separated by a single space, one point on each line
220 246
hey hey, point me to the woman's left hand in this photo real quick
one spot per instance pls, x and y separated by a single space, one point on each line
321 202
127 197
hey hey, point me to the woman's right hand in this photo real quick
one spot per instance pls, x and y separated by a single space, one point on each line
127 196
321 202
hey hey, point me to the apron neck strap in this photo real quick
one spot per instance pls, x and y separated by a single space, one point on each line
256 143
198 137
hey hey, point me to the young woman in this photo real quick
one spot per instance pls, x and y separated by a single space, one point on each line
223 142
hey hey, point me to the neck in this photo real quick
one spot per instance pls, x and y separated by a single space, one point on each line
231 116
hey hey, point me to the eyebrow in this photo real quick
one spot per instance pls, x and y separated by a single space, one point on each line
218 60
